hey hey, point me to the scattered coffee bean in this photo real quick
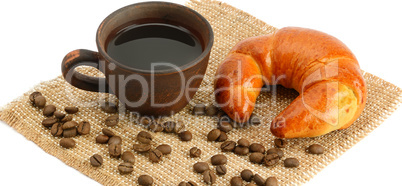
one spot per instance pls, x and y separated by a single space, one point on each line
102 139
71 110
33 95
142 147
57 129
179 127
213 135
185 136
221 170
211 110
254 120
112 121
251 184
169 126
276 151
115 150
291 162
183 183
315 149
192 183
280 143
67 143
128 156
40 101
66 118
69 133
96 160
144 137
228 146
247 175
243 142
125 168
256 147
48 110
242 151
145 180
59 115
195 152
223 137
256 157
48 122
69 125
114 140
108 132
155 155
156 127
271 159
225 126
165 149
236 181
209 177
84 128
218 159
271 181
199 109
108 107
259 180
146 121
200 167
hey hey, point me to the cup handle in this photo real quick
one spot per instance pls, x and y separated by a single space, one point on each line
78 58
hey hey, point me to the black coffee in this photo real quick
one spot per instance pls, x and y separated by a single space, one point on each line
140 45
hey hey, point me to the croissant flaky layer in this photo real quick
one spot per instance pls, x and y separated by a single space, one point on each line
319 66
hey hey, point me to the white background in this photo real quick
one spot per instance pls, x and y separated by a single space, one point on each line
35 36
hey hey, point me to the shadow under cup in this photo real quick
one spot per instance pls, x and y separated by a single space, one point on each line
161 92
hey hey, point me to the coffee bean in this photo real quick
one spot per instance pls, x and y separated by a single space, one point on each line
112 121
236 181
142 147
67 143
221 170
48 110
48 122
254 120
192 183
69 125
84 128
57 129
144 137
71 110
33 95
275 151
213 135
228 146
108 132
271 181
280 143
256 157
259 180
185 136
209 177
183 183
59 115
146 121
125 168
315 149
222 137
165 149
96 160
251 184
145 180
128 156
271 159
66 118
291 162
199 109
102 139
40 101
156 127
218 159
69 133
115 150
247 175
200 167
225 126
169 126
114 140
242 151
179 127
211 110
155 155
108 107
256 147
195 152
243 142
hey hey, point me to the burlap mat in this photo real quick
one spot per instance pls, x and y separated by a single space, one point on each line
230 25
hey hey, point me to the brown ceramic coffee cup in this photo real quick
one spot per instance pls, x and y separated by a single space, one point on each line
154 93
